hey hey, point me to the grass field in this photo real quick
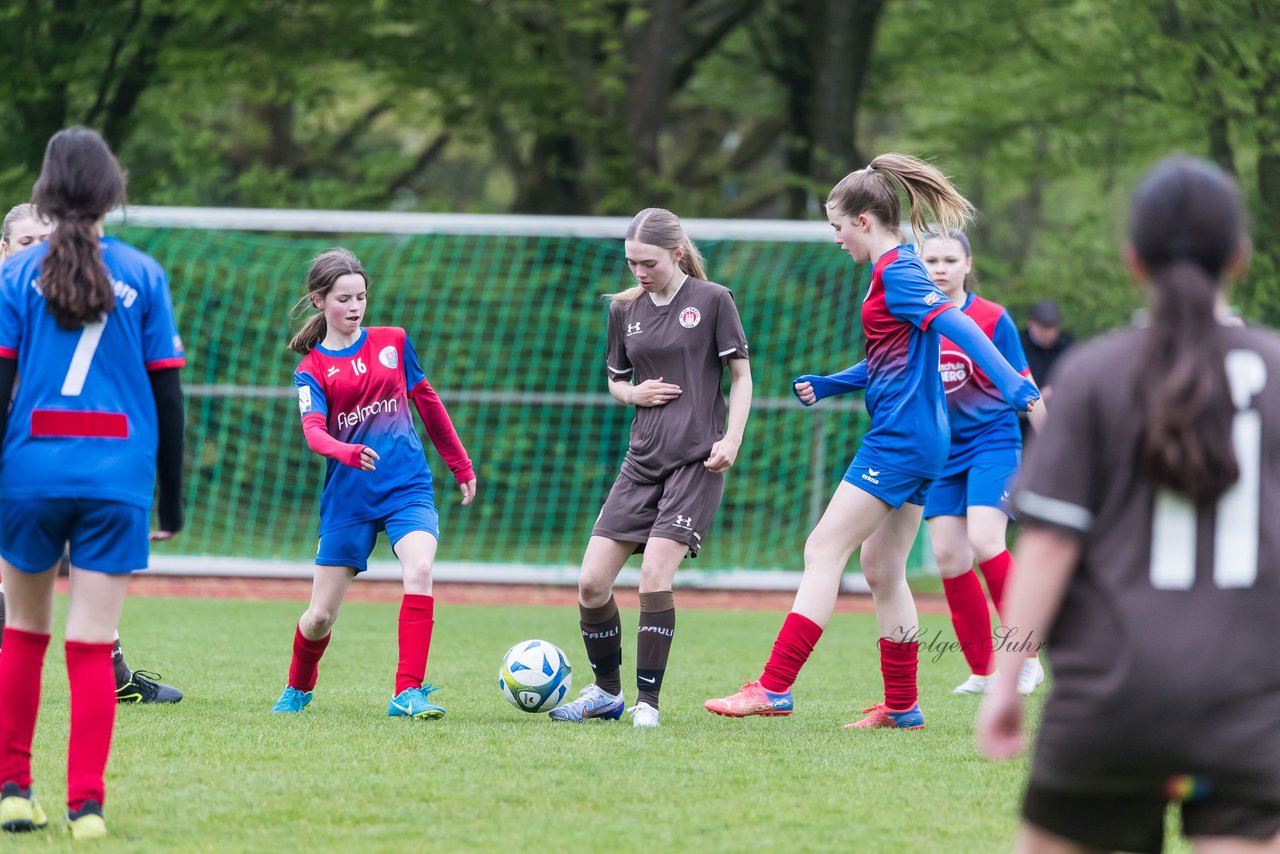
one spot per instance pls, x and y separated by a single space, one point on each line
218 773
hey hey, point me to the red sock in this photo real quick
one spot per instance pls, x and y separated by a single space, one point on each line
417 614
796 640
898 667
305 666
20 667
996 572
972 620
93 714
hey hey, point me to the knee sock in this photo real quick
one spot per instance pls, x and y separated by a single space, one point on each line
898 669
795 642
602 636
20 669
653 643
417 617
122 672
996 571
971 618
305 666
93 714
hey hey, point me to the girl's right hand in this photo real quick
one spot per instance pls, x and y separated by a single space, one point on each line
654 393
367 458
359 457
805 392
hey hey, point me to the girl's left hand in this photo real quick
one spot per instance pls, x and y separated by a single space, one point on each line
723 454
159 536
468 491
999 729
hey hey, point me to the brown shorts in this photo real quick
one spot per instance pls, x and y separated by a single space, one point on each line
679 508
1135 822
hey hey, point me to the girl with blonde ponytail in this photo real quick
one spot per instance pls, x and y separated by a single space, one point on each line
670 338
879 503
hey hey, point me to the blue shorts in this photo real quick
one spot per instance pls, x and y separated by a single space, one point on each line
351 545
984 484
105 536
891 487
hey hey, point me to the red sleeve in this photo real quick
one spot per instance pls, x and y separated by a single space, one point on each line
319 440
440 430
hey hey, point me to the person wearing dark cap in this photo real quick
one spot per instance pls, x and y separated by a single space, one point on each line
1044 341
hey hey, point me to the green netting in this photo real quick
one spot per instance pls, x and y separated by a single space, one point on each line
499 322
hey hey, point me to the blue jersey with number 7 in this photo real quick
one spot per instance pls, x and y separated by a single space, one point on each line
83 423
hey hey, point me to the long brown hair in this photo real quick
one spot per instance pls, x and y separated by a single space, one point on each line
1186 225
326 269
661 228
874 190
79 182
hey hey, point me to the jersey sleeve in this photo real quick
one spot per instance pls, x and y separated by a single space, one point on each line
161 345
11 306
1059 484
1009 343
413 373
731 340
616 359
910 296
311 399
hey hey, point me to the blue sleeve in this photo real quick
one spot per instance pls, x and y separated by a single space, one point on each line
849 380
413 373
909 295
161 346
1009 343
311 398
1016 389
11 305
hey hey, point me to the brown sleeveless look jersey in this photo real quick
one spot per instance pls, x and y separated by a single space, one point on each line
1166 650
686 342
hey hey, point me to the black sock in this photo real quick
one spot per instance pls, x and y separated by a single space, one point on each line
653 643
602 636
123 674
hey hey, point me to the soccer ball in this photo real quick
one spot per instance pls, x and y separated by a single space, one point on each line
534 676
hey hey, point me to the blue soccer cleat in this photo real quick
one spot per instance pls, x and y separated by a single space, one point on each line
413 703
752 699
291 701
592 702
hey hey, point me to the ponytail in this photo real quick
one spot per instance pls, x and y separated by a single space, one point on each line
661 228
79 182
1185 226
311 333
874 190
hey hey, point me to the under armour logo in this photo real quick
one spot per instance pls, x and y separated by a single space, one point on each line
684 521
634 329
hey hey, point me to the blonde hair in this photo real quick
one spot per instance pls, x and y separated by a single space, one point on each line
17 214
326 269
874 190
661 228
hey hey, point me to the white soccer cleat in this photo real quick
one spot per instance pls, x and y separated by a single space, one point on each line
592 702
643 715
1030 675
975 684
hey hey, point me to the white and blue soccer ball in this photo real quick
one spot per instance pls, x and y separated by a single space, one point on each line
534 676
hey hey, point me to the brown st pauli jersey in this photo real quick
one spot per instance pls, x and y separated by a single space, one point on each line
686 342
1166 650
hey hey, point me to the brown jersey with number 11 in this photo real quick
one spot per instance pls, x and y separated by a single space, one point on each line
1166 649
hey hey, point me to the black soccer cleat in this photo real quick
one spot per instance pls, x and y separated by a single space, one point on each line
145 687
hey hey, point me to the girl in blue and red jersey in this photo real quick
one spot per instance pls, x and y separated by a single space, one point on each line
354 387
966 507
95 426
880 500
